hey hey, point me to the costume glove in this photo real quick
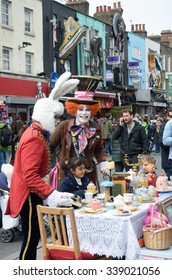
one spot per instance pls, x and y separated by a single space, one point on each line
67 195
56 199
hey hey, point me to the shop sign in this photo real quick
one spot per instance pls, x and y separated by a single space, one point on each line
115 59
109 76
133 65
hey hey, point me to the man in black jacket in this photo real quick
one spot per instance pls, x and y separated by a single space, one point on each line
133 137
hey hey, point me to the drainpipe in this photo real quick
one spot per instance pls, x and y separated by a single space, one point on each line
82 59
104 67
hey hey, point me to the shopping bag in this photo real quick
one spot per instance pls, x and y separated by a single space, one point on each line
7 221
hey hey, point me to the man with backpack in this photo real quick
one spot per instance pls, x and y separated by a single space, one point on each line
5 140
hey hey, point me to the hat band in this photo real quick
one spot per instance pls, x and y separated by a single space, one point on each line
84 95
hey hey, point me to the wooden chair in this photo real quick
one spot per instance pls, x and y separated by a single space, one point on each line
58 248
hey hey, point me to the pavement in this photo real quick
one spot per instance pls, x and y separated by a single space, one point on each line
16 255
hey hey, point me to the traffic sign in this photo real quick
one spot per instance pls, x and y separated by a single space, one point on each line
53 79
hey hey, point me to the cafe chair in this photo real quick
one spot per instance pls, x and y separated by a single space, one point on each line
56 246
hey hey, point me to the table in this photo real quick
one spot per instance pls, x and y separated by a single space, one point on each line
109 235
149 254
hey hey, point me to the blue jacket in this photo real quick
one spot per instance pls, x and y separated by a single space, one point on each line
69 184
167 137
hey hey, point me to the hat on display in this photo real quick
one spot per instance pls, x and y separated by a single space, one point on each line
84 93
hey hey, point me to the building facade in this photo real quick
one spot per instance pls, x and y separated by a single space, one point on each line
21 55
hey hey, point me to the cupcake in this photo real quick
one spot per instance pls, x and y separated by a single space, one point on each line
91 187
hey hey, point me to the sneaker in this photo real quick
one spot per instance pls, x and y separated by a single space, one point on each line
73 34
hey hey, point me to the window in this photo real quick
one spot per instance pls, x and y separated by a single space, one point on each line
6 13
28 60
86 40
28 20
6 55
168 64
111 46
163 62
137 54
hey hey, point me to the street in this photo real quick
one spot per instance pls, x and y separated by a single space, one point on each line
9 251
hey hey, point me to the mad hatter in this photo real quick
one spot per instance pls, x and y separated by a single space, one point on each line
81 136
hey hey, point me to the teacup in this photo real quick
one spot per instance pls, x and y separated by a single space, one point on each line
128 198
88 196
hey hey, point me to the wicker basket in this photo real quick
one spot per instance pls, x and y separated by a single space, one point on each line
157 239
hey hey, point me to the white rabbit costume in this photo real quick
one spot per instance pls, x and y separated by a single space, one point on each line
32 163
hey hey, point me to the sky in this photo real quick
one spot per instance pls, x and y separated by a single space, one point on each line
155 14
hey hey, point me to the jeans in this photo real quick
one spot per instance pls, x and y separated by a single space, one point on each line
2 158
108 146
157 148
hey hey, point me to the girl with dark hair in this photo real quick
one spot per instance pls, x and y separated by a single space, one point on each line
76 181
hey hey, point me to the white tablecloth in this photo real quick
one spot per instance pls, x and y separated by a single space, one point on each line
109 235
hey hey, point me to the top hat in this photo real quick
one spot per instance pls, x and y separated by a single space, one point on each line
85 89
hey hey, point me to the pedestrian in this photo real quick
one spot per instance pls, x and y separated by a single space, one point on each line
117 156
133 138
167 141
165 161
156 135
80 135
3 149
107 129
76 181
32 165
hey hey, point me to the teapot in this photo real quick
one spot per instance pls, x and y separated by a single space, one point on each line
96 204
162 182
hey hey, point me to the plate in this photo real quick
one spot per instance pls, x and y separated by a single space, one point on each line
91 211
164 191
121 213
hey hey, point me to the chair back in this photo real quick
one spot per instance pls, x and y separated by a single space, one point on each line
56 246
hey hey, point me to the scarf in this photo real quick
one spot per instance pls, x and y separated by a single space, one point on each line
84 133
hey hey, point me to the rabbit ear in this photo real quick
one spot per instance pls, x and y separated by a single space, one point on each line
66 87
62 79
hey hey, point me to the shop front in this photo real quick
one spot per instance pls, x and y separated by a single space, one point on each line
20 93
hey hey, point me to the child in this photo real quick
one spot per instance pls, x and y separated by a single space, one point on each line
76 181
148 164
148 169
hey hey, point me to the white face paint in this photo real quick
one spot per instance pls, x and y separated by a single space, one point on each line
83 115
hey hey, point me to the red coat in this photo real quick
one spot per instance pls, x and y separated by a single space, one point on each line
30 166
